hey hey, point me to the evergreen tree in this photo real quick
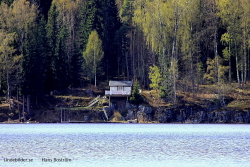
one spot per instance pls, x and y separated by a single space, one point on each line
62 65
51 34
106 24
57 72
84 25
136 98
33 60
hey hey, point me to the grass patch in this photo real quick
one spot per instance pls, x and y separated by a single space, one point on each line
242 105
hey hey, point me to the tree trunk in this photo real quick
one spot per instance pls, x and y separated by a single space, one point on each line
8 84
242 70
24 119
245 61
18 109
237 68
230 64
95 74
192 72
131 52
95 67
248 65
118 66
127 67
174 54
28 104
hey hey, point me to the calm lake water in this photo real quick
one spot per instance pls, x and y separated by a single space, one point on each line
118 145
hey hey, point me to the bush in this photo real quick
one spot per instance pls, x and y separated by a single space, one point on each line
162 93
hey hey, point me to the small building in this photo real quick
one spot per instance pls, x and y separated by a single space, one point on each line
119 89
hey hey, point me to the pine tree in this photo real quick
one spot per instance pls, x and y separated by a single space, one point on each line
136 98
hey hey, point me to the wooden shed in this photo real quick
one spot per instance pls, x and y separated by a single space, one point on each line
119 89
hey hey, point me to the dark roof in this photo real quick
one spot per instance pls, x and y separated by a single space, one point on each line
120 83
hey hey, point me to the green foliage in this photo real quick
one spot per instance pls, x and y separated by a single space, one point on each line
93 55
136 98
182 37
226 39
10 63
106 23
222 71
215 71
84 24
57 71
33 63
226 54
210 75
155 77
163 92
50 59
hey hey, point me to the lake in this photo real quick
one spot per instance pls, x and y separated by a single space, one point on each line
122 145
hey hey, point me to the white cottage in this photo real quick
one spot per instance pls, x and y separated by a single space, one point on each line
119 89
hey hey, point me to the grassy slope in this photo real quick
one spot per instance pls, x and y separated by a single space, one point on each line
235 98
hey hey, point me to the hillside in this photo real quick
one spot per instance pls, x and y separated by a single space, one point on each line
73 102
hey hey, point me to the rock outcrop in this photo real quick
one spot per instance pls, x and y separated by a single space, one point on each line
194 114
185 114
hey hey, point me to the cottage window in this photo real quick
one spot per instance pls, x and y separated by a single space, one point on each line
119 88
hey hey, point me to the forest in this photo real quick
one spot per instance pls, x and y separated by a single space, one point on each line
166 45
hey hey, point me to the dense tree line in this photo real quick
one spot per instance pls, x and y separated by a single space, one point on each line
189 41
45 41
46 45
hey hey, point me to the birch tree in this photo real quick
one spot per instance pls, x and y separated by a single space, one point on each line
230 16
9 61
93 55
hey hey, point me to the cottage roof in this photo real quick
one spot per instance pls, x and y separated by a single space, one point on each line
120 83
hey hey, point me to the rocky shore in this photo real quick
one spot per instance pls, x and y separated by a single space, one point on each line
181 114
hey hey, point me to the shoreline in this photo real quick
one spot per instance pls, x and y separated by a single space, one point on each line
124 122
